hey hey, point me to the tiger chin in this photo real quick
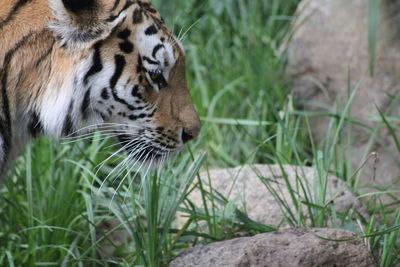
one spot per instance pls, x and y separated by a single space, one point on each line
109 65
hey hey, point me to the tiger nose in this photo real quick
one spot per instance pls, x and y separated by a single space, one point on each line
189 134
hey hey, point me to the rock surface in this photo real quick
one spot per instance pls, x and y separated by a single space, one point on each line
288 248
244 186
329 52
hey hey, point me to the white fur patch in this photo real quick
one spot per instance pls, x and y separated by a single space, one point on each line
55 107
146 45
103 78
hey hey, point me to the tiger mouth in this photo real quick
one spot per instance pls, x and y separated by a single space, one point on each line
141 152
147 155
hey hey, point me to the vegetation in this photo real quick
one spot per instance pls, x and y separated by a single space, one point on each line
63 199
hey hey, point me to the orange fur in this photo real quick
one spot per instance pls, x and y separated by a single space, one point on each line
47 53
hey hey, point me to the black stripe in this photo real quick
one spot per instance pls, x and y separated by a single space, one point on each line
148 7
112 18
115 5
97 64
120 64
68 124
157 21
6 121
126 47
151 30
124 34
140 68
140 116
151 10
165 145
4 134
35 126
85 104
44 56
156 49
150 61
137 16
4 148
104 117
13 12
77 6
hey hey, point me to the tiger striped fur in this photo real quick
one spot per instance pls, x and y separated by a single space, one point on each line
72 65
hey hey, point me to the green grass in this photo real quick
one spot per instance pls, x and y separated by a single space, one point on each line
53 204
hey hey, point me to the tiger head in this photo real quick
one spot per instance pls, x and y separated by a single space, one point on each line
130 76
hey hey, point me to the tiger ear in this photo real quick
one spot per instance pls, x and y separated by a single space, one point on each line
79 23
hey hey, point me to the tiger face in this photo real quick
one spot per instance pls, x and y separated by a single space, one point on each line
138 86
93 64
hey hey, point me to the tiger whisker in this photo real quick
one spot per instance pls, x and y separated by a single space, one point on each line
182 38
140 167
143 176
126 145
101 126
118 168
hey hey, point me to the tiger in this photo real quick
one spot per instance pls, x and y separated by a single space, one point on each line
71 66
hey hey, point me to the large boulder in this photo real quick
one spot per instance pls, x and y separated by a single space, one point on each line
251 186
289 248
329 58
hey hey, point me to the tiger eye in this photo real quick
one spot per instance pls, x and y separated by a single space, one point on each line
158 78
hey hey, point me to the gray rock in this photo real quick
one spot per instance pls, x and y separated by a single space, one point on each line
244 186
288 248
328 47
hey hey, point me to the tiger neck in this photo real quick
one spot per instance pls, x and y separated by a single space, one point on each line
39 92
40 88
